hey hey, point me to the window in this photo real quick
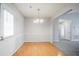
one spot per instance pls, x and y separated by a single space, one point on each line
8 28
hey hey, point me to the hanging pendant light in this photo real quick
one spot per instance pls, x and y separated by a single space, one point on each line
38 20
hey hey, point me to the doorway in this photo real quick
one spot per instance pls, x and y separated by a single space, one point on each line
65 29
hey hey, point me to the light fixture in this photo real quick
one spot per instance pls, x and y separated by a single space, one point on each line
41 20
30 6
38 20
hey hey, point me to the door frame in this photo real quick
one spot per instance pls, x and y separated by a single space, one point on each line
70 23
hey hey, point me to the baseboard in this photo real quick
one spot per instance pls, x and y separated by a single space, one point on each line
17 49
36 41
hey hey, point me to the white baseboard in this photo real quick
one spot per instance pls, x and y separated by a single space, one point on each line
36 41
17 48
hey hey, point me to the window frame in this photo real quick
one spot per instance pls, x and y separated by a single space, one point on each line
3 23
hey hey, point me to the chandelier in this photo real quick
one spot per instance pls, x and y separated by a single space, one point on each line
38 20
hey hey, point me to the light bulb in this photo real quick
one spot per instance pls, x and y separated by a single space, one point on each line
36 21
41 20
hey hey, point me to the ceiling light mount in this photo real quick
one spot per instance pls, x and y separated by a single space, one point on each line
38 9
30 6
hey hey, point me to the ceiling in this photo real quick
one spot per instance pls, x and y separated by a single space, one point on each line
47 10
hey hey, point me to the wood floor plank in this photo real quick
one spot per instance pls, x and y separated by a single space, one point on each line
38 49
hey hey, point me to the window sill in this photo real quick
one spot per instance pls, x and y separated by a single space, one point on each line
8 37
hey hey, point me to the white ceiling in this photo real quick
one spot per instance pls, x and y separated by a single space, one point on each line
46 9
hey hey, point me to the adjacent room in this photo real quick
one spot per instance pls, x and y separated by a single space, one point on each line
39 29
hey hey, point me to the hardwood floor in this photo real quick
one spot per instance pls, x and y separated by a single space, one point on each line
38 49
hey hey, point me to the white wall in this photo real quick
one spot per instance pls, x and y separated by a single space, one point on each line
37 32
9 45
